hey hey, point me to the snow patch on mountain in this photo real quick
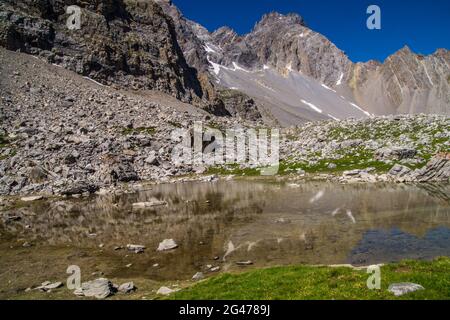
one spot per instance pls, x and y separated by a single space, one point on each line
361 109
312 106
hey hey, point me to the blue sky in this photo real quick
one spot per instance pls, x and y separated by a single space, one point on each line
422 25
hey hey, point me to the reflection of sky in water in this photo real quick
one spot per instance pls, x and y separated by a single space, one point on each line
394 245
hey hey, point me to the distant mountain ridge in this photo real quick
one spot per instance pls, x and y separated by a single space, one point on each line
405 83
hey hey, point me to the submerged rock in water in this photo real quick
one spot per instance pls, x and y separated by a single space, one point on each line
168 244
149 204
400 289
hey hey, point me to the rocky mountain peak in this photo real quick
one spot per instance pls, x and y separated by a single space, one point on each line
224 36
404 51
275 18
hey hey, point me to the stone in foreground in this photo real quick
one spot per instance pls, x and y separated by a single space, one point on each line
127 287
100 288
47 286
149 204
31 199
136 248
198 276
165 291
400 289
168 244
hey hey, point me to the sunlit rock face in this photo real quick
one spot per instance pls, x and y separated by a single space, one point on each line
405 83
126 43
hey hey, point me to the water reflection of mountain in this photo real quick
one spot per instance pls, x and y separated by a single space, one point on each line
268 223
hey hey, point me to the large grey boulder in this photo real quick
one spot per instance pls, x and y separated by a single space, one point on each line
399 170
100 288
80 187
395 153
168 244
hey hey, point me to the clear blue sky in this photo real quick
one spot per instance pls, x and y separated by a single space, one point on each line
422 25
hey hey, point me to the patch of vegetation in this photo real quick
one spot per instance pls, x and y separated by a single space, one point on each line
175 124
141 130
234 169
308 282
10 155
3 141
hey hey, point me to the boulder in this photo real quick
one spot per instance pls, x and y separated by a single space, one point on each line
168 244
127 287
31 199
100 288
80 187
399 170
136 248
198 276
47 286
165 291
395 153
149 204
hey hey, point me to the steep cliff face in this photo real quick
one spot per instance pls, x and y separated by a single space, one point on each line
188 35
405 83
125 43
194 39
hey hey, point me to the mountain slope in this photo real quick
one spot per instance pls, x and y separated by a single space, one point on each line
126 43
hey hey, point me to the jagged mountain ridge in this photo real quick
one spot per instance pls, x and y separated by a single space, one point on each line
405 83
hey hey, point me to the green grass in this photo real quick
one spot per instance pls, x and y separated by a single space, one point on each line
234 169
290 167
308 282
3 141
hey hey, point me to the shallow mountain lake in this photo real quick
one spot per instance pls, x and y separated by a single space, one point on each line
219 224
